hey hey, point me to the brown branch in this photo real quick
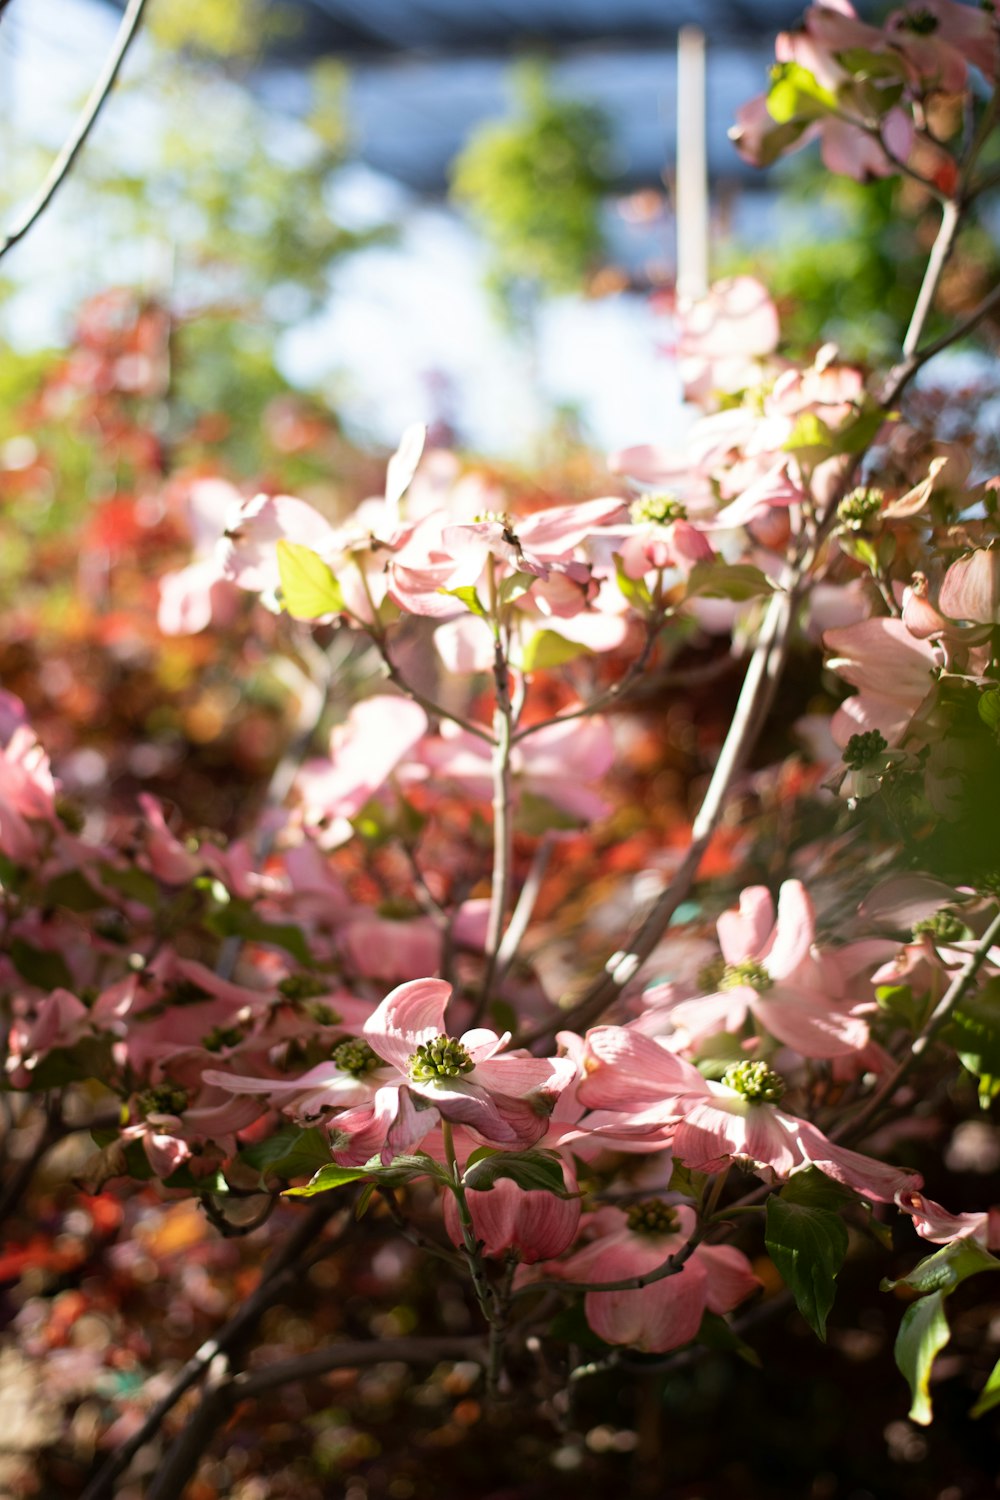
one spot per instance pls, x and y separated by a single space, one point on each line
756 696
350 1356
902 373
281 1273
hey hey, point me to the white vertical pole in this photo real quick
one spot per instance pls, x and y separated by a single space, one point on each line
692 165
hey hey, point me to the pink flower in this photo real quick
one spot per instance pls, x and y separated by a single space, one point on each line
894 671
192 597
772 971
667 1313
167 858
723 336
536 1225
377 735
710 1124
504 1101
934 1223
555 762
970 589
440 555
27 795
61 1020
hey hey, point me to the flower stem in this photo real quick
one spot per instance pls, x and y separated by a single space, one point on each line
470 1245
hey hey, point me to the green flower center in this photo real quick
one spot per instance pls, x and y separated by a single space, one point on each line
749 972
652 1217
920 22
321 1015
442 1057
494 517
943 926
185 992
70 815
302 986
860 506
659 509
163 1099
222 1036
755 1081
862 748
356 1057
711 976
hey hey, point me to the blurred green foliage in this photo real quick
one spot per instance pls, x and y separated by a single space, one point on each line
214 206
857 283
534 185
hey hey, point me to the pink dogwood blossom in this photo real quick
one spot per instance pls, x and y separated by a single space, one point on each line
710 1124
773 972
667 1313
503 1100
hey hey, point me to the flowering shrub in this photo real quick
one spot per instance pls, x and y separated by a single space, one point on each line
418 987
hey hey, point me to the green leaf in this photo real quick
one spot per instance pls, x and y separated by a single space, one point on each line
864 64
515 587
633 589
73 891
857 436
289 1153
239 919
810 432
40 966
974 1032
870 100
326 1179
813 1189
468 596
308 587
808 1246
547 649
715 1333
365 1197
922 1334
989 708
947 1268
718 580
901 1003
684 1180
401 1169
537 815
89 1058
989 1396
538 1171
796 95
718 1053
132 882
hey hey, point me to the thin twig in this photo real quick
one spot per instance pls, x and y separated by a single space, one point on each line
902 373
74 142
670 1267
525 906
951 217
436 710
755 698
610 696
